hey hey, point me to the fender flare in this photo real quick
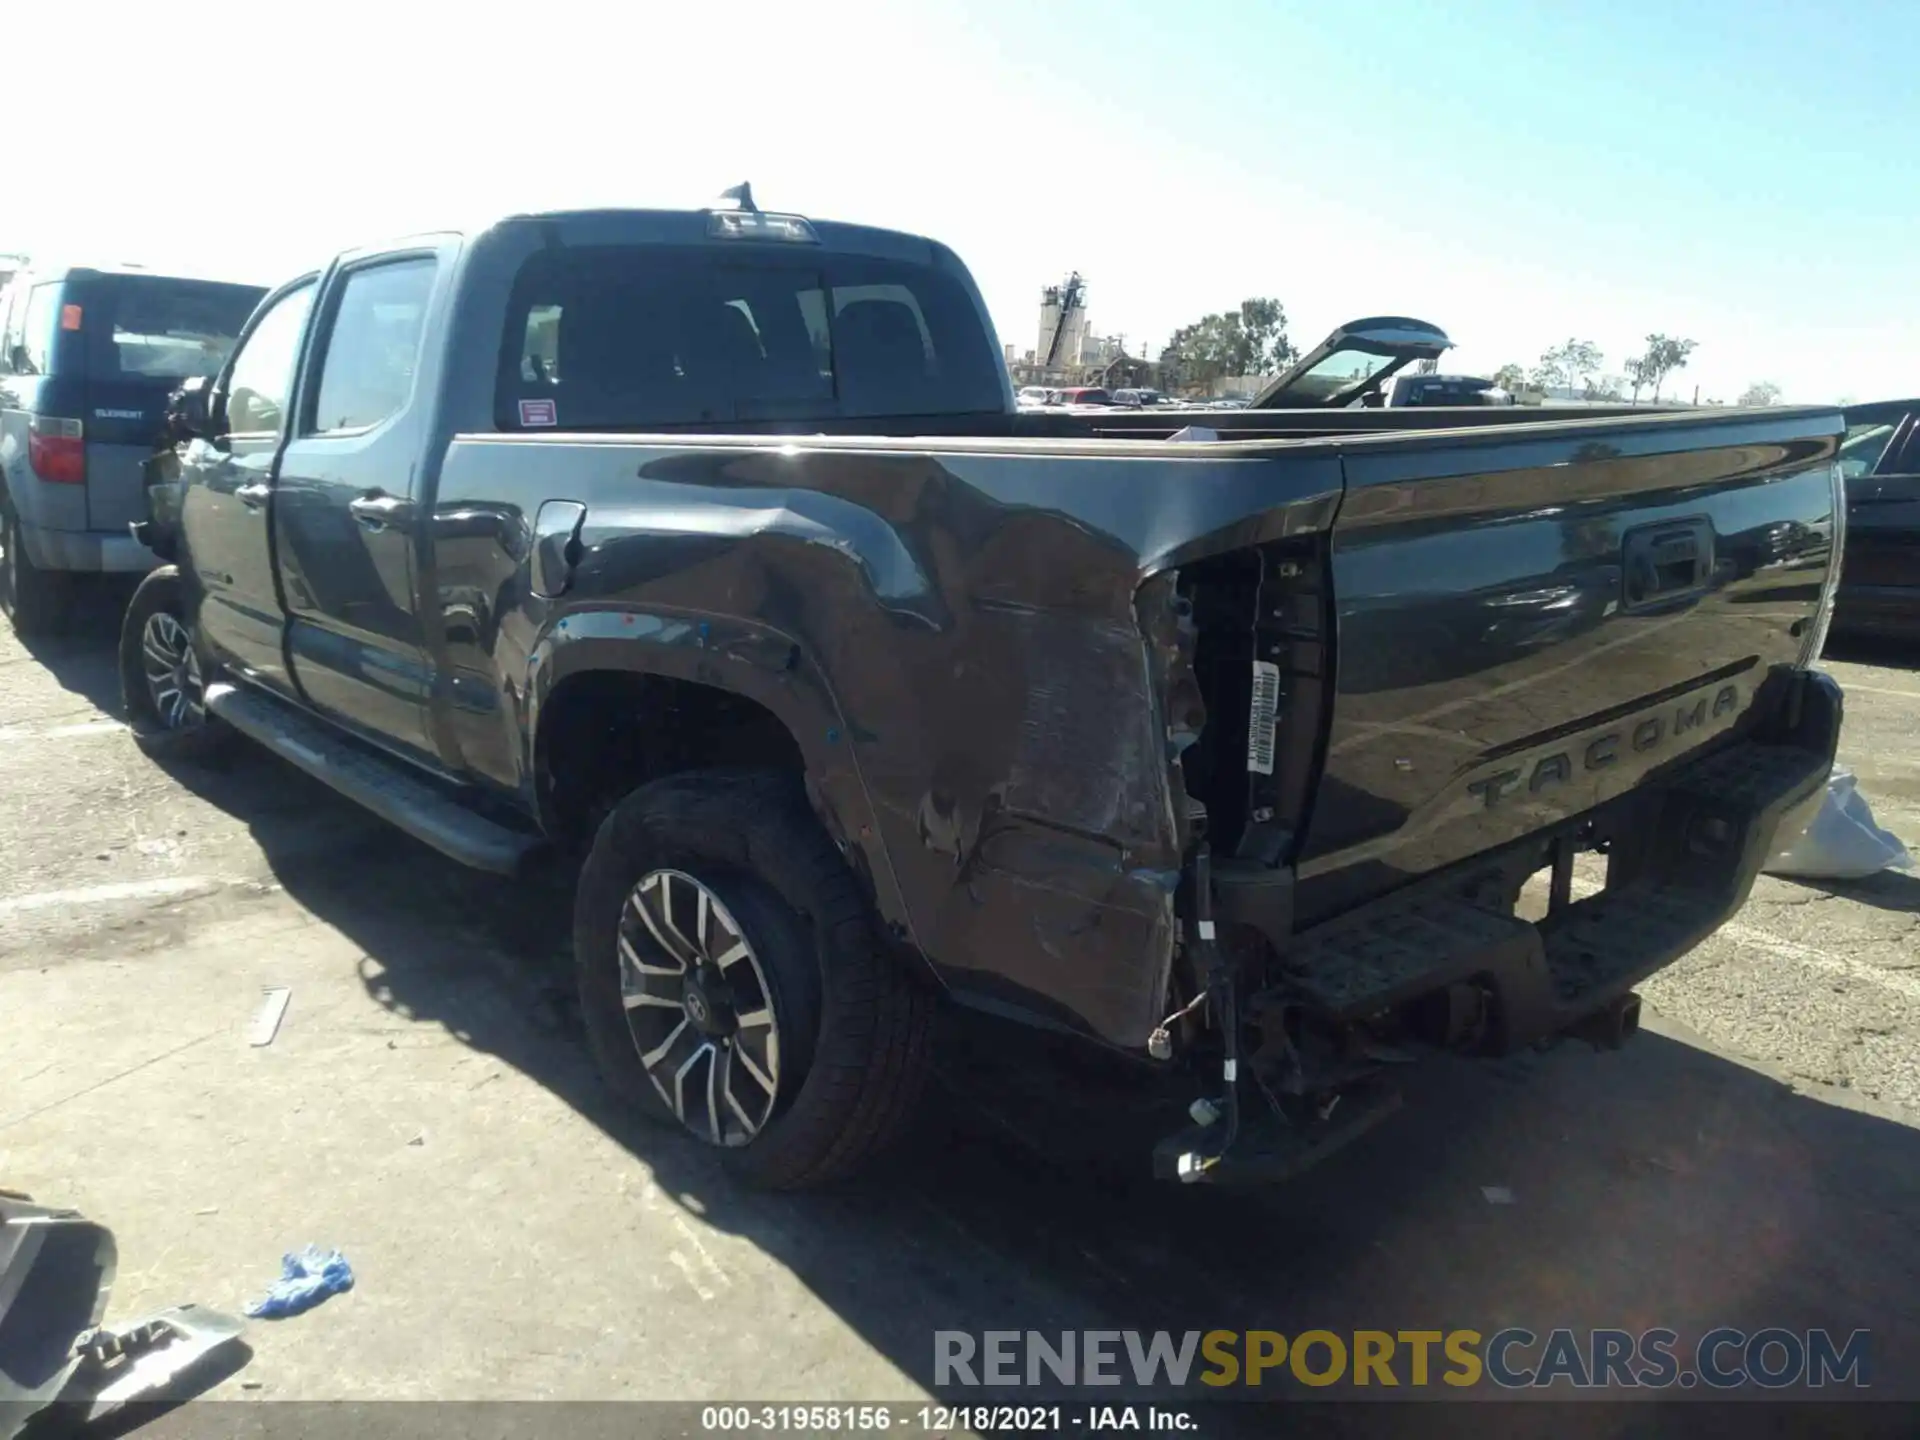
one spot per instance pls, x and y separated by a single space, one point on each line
742 657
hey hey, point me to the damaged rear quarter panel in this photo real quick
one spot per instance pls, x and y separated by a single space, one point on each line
978 708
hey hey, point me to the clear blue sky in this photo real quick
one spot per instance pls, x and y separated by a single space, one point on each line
1740 173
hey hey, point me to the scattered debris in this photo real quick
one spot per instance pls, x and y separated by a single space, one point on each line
1841 842
56 1271
136 1360
266 1020
306 1278
208 1210
1497 1194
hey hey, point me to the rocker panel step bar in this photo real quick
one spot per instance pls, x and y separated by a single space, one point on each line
384 786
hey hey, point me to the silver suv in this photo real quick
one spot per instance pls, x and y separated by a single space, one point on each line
87 360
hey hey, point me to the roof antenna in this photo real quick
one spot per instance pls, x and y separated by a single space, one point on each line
742 197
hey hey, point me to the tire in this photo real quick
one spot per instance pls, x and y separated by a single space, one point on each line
35 600
166 722
852 1024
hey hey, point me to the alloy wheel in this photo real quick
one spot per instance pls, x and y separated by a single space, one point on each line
172 671
699 1008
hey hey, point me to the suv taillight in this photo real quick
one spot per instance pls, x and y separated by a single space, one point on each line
57 450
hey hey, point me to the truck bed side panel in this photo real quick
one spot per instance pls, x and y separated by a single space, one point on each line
996 745
1528 626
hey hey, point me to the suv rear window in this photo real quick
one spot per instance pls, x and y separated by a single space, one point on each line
627 337
157 327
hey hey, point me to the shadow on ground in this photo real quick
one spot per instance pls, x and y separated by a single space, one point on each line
83 655
1897 890
1661 1186
1872 650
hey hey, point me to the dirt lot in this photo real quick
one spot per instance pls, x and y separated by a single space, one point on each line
1751 1160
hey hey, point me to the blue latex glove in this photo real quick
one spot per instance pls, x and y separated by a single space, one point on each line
305 1280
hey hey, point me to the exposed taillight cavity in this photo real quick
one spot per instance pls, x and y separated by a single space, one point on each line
57 450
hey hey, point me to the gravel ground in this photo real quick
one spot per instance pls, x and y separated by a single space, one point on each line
1750 1160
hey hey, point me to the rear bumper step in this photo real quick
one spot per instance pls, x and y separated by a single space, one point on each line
1715 826
1681 864
384 786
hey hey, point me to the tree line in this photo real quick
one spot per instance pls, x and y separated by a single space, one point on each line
1576 367
1252 340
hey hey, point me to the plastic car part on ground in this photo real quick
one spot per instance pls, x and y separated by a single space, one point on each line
306 1278
56 1271
1841 842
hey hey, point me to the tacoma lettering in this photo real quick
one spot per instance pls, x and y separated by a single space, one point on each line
1603 750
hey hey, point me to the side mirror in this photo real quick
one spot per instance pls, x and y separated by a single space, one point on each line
190 411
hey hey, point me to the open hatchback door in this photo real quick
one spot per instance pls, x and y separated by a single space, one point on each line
1352 362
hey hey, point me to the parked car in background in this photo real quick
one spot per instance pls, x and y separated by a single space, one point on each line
87 359
1033 395
1082 395
1446 390
1880 466
1353 364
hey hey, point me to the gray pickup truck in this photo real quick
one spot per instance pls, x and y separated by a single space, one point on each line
710 546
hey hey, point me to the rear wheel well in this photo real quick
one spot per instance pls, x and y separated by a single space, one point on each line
605 733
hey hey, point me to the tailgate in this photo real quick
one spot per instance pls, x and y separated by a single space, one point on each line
1528 624
123 418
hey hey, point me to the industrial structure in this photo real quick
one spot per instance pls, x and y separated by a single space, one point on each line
1067 352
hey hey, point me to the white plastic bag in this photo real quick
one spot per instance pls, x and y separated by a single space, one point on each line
1841 842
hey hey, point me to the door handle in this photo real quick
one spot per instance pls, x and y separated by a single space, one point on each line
377 512
253 496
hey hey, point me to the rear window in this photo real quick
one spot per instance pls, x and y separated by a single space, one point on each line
627 337
156 327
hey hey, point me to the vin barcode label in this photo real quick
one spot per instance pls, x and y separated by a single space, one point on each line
1262 714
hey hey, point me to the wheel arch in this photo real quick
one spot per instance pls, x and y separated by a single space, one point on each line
600 682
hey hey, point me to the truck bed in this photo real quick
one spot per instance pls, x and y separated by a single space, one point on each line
1022 667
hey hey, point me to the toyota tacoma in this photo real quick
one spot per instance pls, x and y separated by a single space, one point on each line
711 547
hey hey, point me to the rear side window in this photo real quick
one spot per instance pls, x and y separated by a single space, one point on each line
13 311
40 331
628 337
373 346
157 327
